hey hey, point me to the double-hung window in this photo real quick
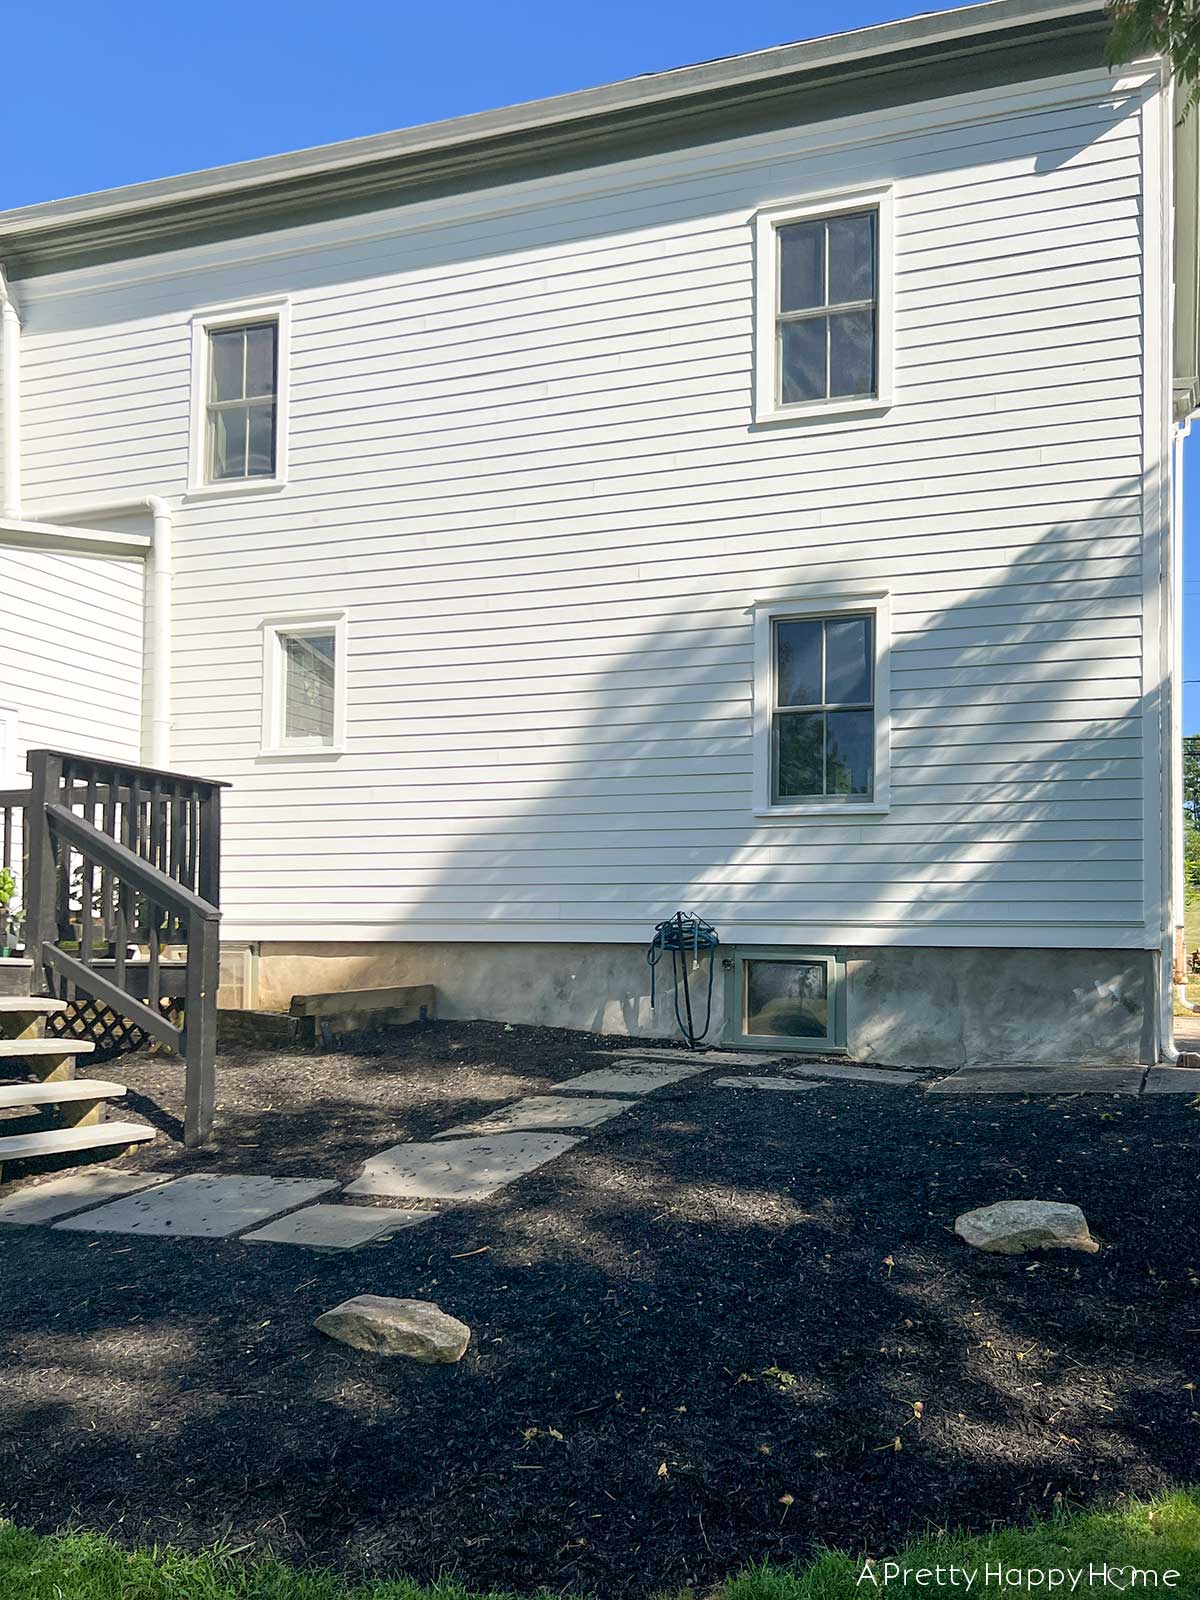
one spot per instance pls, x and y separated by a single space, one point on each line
822 705
239 399
823 312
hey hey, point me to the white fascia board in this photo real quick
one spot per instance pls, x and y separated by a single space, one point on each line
77 541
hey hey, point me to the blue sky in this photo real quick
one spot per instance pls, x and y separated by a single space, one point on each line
139 90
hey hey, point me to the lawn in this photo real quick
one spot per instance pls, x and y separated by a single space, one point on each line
1160 1540
730 1328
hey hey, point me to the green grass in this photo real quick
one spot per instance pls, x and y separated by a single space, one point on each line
1155 1538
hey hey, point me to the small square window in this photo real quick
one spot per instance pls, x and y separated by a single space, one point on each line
786 999
304 685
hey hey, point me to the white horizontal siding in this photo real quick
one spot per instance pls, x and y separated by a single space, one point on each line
522 461
71 653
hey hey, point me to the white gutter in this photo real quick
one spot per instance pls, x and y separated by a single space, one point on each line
10 397
161 569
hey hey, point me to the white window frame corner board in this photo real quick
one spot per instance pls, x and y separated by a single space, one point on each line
277 309
274 629
766 613
767 220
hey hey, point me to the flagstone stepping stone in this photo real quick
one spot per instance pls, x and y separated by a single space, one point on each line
458 1169
705 1058
75 1191
324 1227
1011 1227
201 1206
638 1077
549 1112
1048 1079
1159 1080
848 1072
789 1084
415 1328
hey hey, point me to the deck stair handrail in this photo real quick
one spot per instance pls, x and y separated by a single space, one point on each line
119 856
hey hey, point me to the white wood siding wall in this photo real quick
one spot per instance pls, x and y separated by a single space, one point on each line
522 459
71 654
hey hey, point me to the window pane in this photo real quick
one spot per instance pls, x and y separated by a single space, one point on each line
799 766
802 360
848 661
260 360
851 259
788 999
850 752
308 686
228 429
226 355
852 353
801 266
798 663
261 457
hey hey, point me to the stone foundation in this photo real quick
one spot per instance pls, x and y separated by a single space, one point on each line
911 1007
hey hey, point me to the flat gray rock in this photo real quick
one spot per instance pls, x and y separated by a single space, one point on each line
458 1169
1010 1227
1159 1080
638 1077
336 1227
848 1072
75 1191
789 1084
1049 1079
549 1113
415 1328
201 1206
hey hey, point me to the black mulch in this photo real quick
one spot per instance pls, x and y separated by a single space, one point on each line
719 1300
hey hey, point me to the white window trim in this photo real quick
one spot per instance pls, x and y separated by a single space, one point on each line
203 323
766 614
274 631
767 222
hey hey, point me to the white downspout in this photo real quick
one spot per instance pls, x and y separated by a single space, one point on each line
160 575
10 398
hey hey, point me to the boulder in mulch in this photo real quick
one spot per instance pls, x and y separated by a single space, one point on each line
1011 1227
415 1328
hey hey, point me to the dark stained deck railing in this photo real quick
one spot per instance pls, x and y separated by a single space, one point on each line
117 855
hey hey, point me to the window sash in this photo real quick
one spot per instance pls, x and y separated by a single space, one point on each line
822 708
828 311
237 463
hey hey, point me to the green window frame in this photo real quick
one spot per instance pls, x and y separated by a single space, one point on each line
772 1010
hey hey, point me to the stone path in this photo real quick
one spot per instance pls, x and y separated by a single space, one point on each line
473 1161
201 1206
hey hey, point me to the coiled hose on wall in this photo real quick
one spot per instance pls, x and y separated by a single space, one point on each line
685 934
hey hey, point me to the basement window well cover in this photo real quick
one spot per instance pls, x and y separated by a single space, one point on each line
785 998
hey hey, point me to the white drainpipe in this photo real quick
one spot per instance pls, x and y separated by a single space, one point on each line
10 398
161 570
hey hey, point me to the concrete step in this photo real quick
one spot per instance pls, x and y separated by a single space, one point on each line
55 1094
16 975
39 1005
62 1141
45 1047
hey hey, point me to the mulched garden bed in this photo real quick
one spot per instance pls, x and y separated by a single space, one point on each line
727 1326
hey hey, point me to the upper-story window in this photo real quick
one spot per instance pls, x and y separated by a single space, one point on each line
239 399
243 375
824 307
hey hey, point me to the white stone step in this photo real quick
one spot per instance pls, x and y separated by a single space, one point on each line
55 1094
36 1004
59 1141
46 1047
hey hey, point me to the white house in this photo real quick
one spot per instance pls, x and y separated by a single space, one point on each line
750 488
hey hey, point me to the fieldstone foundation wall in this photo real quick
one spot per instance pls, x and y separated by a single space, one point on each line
911 1007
